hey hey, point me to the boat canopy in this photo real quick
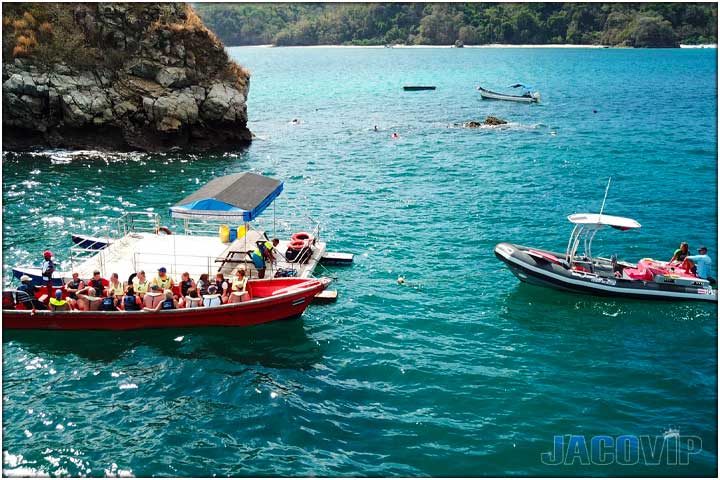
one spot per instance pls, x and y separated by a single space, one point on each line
598 220
232 198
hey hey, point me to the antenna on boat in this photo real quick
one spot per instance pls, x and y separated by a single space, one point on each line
605 197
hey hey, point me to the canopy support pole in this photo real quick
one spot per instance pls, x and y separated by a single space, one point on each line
602 207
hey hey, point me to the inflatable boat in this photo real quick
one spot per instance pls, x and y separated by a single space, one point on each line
582 273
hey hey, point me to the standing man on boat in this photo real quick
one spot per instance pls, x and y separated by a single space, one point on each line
263 251
48 268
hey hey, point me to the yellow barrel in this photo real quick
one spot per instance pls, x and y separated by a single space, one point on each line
224 234
240 231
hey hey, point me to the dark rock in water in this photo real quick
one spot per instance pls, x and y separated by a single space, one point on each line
145 76
488 121
494 121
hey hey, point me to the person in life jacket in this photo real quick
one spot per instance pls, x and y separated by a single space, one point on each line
141 284
186 283
130 302
238 287
116 287
108 302
223 289
192 299
162 280
239 283
72 287
264 251
169 303
96 282
57 303
212 299
202 284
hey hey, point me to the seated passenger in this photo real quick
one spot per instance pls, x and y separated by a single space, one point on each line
186 284
239 283
108 302
130 302
239 287
212 299
88 301
191 300
141 284
72 288
222 287
152 298
680 254
116 287
97 282
57 303
28 295
168 303
162 280
699 265
203 284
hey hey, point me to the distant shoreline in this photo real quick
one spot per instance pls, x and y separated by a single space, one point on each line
494 45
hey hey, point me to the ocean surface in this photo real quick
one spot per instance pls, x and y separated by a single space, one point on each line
461 370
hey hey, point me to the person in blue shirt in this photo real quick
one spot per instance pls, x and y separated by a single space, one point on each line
700 264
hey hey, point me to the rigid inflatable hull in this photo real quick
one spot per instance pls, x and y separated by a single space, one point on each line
244 314
545 273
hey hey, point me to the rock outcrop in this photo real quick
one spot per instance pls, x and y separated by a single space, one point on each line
156 79
489 121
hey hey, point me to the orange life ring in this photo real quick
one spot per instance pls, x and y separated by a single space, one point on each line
165 230
296 245
301 236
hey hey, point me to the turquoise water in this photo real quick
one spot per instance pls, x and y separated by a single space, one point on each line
461 371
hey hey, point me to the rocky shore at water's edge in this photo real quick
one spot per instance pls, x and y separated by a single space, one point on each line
160 81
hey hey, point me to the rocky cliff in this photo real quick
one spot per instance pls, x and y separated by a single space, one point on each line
145 76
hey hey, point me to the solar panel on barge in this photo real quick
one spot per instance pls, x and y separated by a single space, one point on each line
242 196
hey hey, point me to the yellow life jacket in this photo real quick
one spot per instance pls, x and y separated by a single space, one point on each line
140 287
117 291
239 284
163 283
57 303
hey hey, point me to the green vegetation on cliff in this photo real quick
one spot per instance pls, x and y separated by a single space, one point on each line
616 24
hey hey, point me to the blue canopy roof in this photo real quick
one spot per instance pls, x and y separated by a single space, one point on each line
235 198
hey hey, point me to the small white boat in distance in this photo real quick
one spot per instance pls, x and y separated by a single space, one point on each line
526 97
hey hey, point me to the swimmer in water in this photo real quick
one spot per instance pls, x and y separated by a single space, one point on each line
395 136
375 128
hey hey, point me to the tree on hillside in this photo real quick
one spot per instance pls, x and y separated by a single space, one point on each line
653 32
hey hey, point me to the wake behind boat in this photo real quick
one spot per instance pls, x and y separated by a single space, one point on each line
582 273
526 97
